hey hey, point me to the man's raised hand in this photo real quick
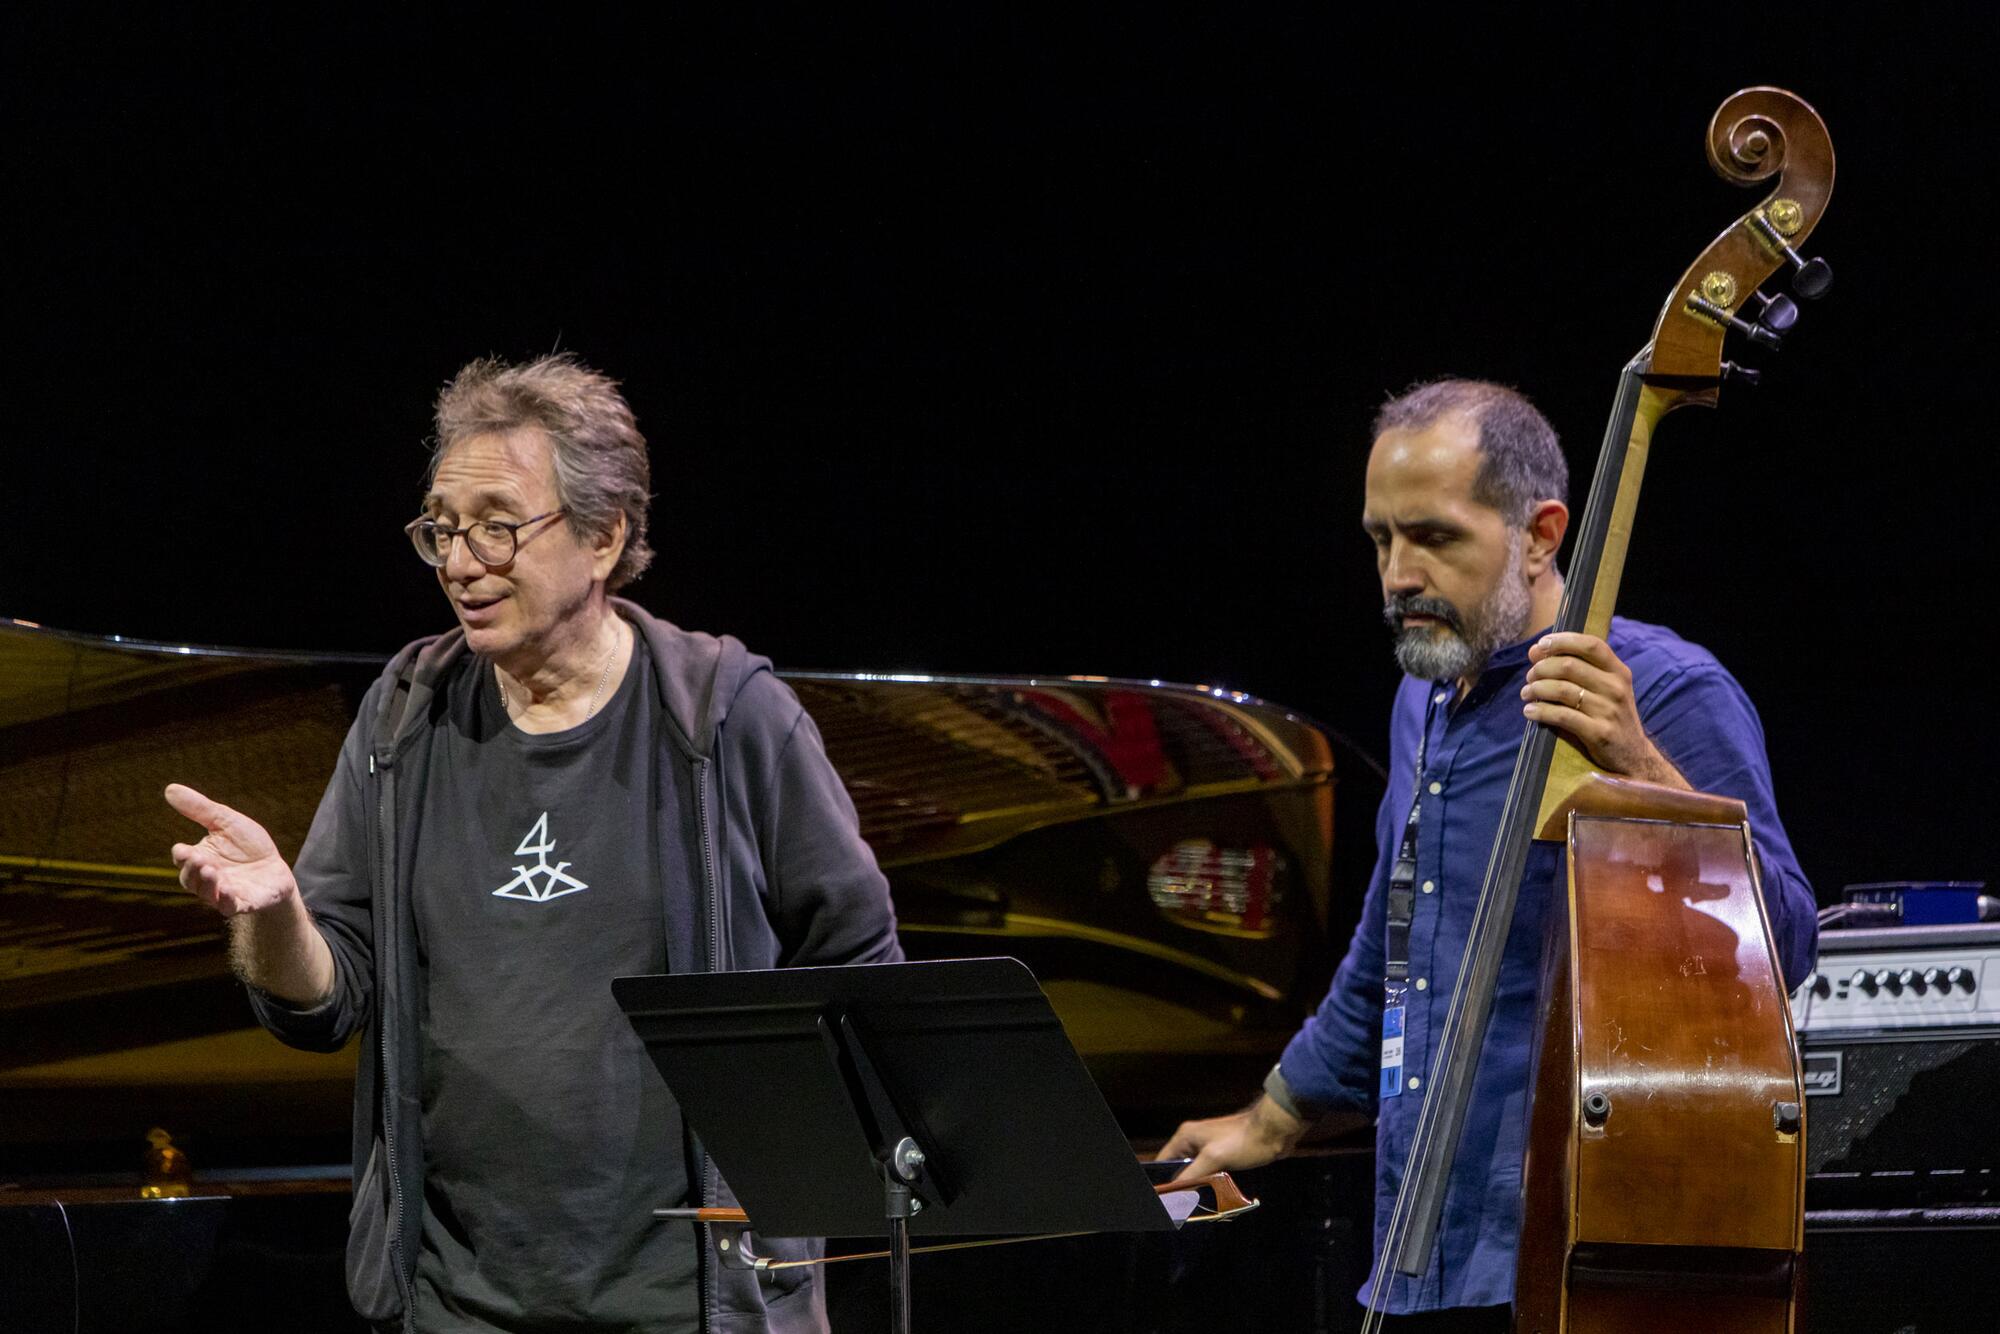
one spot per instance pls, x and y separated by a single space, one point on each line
236 867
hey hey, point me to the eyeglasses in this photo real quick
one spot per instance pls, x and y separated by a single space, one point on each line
491 541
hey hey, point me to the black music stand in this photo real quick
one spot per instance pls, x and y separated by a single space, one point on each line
927 1099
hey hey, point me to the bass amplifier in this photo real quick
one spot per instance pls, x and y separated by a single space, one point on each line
1899 1031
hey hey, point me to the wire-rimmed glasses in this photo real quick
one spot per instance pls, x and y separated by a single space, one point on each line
491 541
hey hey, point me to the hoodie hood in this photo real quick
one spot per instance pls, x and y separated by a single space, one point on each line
698 677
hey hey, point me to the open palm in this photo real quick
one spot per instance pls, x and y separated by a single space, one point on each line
236 867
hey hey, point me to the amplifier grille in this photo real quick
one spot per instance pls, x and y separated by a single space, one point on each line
1906 1122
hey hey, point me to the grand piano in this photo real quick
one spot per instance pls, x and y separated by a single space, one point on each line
1179 865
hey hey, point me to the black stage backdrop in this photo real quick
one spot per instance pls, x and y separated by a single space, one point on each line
988 344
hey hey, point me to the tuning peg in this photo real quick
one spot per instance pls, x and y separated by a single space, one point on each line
1811 278
1776 313
1814 278
1761 335
1747 376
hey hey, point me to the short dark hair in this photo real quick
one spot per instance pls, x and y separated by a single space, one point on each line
1520 460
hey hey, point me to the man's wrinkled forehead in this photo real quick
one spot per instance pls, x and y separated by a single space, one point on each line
493 472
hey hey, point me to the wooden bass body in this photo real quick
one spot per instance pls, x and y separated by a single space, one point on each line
1665 1173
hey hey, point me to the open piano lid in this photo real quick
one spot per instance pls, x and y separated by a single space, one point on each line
982 797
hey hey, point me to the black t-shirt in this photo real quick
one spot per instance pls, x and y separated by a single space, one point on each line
548 1134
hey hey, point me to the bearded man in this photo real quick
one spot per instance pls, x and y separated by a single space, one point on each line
561 790
1466 505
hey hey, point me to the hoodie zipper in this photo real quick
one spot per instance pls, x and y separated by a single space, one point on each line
395 1220
705 1194
708 867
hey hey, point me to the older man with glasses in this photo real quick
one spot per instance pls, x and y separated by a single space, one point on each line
562 790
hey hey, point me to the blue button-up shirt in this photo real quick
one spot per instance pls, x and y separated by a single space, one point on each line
1702 721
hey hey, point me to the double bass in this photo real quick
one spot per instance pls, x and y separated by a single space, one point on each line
1664 1180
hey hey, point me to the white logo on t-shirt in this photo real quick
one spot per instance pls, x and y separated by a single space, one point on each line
523 886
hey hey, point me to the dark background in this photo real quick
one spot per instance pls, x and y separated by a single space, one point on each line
981 343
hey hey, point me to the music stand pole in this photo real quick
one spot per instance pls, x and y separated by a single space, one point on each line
897 1202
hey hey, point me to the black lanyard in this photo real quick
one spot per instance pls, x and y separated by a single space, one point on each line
1403 878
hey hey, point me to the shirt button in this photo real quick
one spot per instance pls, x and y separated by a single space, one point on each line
1436 788
1423 984
1416 1083
1438 698
1430 886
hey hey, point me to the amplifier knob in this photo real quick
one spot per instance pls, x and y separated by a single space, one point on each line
1908 978
1865 980
1960 977
1888 980
1822 985
1934 977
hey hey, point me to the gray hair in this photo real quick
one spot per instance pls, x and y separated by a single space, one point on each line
600 458
1520 460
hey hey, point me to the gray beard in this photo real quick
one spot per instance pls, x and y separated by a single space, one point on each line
1459 647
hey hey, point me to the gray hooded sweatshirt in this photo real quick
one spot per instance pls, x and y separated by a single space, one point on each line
763 866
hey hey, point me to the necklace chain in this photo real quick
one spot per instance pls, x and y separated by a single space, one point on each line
595 695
